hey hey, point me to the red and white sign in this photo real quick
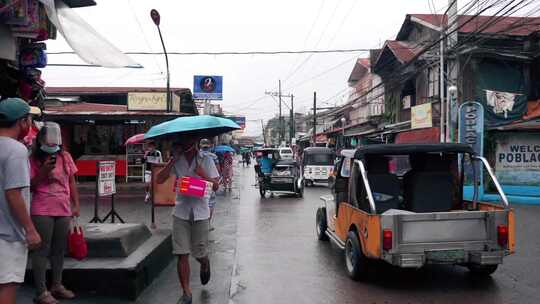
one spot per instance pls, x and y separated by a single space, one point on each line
106 178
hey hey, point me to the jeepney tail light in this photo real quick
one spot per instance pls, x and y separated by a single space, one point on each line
502 235
387 239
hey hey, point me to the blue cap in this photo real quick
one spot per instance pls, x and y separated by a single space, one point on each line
12 109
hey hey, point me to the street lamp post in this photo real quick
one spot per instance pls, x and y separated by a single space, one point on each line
343 120
154 14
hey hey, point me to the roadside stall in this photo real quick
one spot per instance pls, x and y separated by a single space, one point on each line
24 27
97 132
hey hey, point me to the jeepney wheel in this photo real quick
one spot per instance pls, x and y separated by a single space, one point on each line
482 270
321 225
309 183
355 260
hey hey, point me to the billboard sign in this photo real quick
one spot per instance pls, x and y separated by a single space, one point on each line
518 158
208 87
106 175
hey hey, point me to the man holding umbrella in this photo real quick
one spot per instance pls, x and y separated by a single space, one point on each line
191 214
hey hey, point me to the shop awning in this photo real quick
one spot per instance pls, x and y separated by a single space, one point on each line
89 45
419 136
533 124
96 111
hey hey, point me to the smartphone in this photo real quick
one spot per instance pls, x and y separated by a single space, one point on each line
53 158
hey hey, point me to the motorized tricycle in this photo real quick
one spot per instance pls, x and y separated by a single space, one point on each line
403 204
284 178
317 165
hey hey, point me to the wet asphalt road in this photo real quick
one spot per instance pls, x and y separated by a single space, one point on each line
279 260
265 251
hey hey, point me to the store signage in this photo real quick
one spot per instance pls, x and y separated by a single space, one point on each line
106 178
471 125
518 158
471 131
147 101
421 116
208 87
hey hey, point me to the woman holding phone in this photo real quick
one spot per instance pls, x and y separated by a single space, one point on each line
55 200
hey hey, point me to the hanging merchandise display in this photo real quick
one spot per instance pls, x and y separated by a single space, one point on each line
24 24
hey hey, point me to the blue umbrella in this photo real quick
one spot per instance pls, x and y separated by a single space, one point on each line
223 149
202 125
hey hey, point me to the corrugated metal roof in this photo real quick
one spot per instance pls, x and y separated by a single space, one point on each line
403 51
99 109
360 68
106 90
513 26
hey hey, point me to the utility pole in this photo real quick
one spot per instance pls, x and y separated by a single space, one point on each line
314 119
292 122
263 132
281 128
280 115
441 86
452 67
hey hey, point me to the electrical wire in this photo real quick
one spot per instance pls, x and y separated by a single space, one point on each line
250 53
143 34
338 2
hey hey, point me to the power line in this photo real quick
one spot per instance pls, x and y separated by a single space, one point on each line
143 34
280 52
338 2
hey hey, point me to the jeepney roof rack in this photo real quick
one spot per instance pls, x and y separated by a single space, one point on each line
400 149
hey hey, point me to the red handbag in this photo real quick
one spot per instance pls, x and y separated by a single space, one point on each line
76 243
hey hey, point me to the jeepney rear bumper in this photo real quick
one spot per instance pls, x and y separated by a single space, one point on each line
417 260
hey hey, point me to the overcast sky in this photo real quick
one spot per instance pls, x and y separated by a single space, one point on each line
240 25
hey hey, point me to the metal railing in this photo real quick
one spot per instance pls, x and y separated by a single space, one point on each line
366 185
484 161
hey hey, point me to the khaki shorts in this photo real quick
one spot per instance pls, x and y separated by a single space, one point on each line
190 237
13 256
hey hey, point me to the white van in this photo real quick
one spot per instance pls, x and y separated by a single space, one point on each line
285 153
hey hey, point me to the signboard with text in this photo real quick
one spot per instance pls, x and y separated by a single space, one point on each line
208 87
421 116
106 178
518 158
471 131
147 101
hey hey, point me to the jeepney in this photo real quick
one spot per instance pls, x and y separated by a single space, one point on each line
317 164
403 204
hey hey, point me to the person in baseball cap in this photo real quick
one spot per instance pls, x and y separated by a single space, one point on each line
15 115
18 231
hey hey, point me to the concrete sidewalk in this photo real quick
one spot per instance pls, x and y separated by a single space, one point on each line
166 288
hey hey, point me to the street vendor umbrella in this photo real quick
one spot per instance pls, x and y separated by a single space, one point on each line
223 149
135 139
201 125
